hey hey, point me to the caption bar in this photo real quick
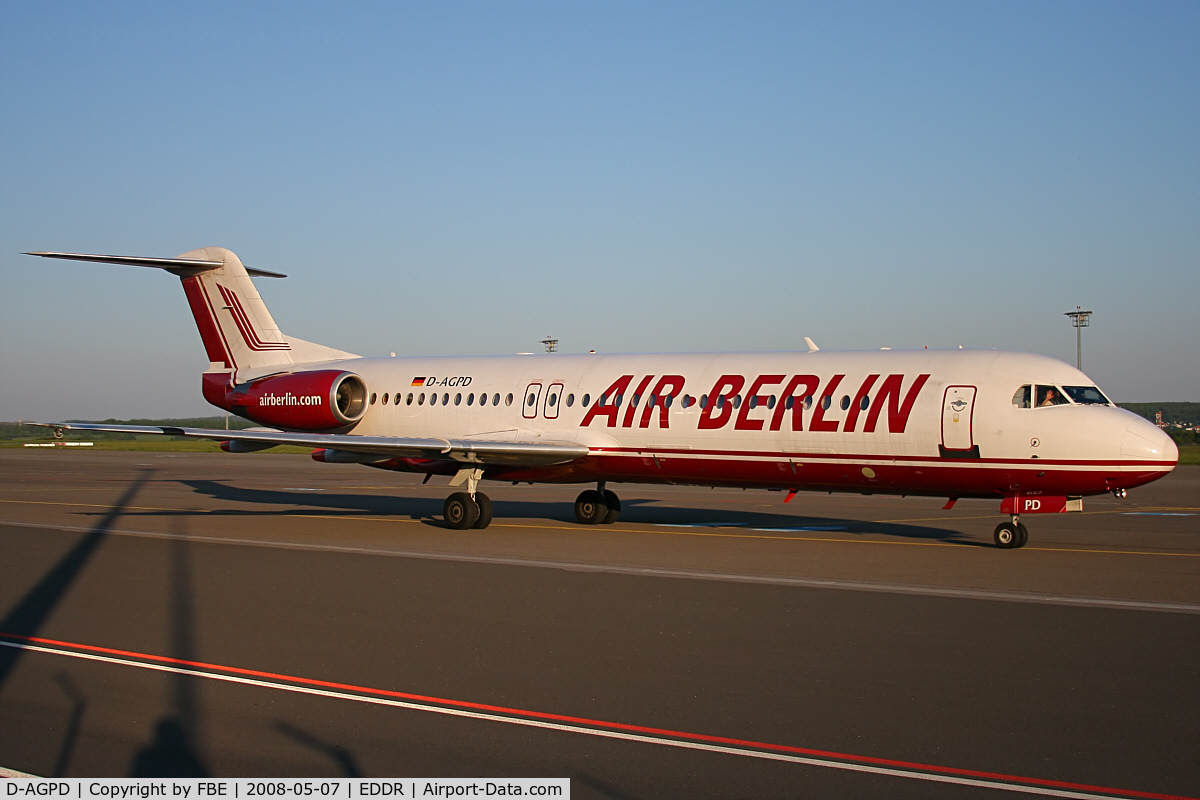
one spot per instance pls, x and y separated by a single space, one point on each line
241 788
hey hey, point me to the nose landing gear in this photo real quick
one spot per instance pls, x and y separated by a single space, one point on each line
1010 535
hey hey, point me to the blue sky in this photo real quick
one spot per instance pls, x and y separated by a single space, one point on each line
461 178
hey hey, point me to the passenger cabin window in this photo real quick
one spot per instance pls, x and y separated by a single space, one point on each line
1086 395
1022 398
1050 396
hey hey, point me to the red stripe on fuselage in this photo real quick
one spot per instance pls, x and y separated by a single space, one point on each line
929 477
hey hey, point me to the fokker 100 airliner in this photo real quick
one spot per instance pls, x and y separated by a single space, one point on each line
1029 431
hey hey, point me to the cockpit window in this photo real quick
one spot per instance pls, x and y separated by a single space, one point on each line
1050 396
1023 396
1086 395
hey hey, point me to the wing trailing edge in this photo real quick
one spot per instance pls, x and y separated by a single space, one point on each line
467 451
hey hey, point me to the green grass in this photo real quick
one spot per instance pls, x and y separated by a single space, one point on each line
1189 454
160 445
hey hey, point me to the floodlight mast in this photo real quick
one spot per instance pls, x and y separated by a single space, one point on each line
551 344
1081 320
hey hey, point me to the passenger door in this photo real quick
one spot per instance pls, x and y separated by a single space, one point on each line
958 439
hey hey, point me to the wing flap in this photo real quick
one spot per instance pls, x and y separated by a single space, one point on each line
464 450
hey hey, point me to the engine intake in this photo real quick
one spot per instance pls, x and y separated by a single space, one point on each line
322 400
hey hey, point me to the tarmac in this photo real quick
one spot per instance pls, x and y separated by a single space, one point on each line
265 615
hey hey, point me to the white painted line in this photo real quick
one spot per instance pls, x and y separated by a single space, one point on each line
558 726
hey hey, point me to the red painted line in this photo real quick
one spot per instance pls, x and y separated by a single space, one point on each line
798 456
595 723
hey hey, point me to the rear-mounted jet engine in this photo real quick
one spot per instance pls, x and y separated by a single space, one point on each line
323 400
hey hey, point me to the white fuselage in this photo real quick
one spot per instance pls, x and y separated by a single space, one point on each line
910 422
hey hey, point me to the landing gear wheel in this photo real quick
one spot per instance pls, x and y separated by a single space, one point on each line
1006 536
614 507
460 511
1022 535
590 508
485 510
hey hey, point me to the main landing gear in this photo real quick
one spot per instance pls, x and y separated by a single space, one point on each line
597 506
1010 535
469 509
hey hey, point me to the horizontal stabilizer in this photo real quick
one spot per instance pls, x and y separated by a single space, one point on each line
511 453
178 266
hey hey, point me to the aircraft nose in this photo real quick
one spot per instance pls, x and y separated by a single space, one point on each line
1146 442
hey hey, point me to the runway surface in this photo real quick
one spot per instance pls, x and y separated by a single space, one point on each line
263 615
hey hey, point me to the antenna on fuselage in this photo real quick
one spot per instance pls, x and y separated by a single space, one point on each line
812 346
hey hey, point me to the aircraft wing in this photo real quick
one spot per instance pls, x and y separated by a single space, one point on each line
468 451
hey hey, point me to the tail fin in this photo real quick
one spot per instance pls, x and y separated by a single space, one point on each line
237 329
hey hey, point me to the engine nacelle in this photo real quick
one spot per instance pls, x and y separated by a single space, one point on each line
321 400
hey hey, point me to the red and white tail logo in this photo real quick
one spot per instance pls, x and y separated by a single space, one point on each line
244 326
238 331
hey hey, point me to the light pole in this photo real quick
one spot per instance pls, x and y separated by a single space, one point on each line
1080 319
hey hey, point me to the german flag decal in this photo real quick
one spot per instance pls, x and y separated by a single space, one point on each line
418 382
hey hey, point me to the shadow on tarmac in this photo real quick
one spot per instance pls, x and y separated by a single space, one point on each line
28 616
78 707
339 755
171 753
633 510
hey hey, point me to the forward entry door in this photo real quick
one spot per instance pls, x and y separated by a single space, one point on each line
958 436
